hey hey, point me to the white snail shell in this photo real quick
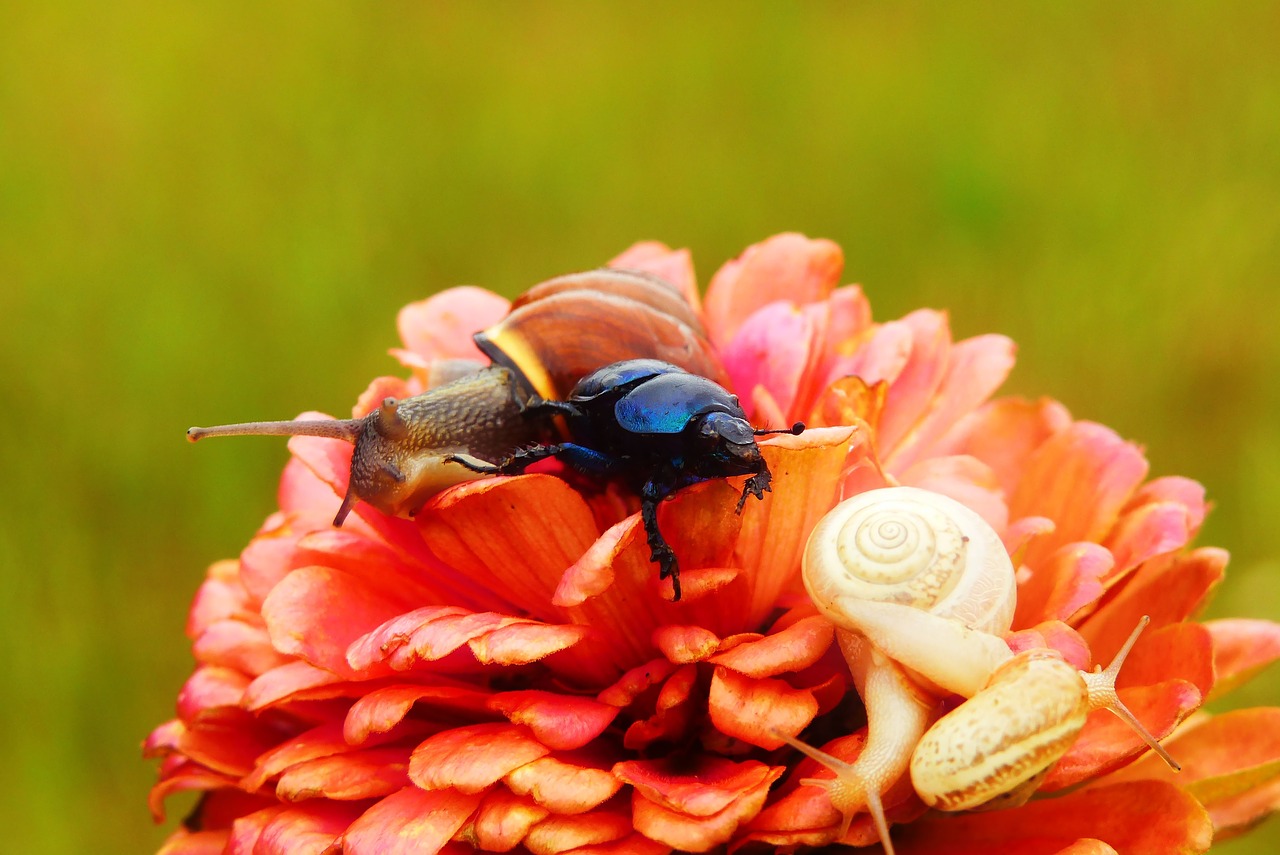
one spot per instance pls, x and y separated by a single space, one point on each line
912 547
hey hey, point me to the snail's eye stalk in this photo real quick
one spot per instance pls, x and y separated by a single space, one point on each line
344 429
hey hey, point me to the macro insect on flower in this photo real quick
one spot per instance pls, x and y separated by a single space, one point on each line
502 671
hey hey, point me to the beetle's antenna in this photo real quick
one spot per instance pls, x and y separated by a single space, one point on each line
795 430
346 429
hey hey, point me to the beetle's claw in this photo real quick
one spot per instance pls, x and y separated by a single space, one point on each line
757 485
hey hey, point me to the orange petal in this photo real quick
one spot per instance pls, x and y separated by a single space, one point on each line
750 709
673 713
1005 433
562 833
1231 763
470 759
1081 479
239 645
1106 743
702 789
784 267
221 596
1153 525
380 710
210 688
520 556
411 822
560 722
1056 635
286 682
1241 648
1063 583
503 820
1146 816
1168 588
441 326
966 479
183 777
320 741
304 829
315 613
807 470
792 649
348 776
636 681
632 844
183 842
562 785
698 832
685 644
1179 651
671 265
229 743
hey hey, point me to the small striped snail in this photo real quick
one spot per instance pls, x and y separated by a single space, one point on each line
555 334
921 589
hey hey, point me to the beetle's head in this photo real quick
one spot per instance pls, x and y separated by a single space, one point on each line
730 442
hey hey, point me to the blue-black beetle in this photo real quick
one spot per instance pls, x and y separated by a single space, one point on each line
658 428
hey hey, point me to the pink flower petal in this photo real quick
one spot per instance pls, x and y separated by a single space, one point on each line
315 613
671 265
1081 479
410 822
1006 432
471 758
441 326
777 347
784 267
211 688
973 370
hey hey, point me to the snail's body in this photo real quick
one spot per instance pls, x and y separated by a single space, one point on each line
921 591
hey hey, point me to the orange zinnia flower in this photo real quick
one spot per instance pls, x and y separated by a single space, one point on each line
503 672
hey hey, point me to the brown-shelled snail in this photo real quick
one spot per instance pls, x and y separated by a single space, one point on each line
609 370
555 334
921 589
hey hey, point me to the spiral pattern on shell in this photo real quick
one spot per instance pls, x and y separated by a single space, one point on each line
912 547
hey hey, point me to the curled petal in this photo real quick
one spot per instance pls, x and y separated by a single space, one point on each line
685 644
348 776
306 829
792 649
657 817
704 790
565 832
563 785
750 709
380 710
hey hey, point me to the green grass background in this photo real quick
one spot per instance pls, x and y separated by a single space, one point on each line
212 211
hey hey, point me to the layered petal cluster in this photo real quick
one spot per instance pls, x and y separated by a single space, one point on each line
505 673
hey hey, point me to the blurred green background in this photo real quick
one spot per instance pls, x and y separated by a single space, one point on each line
211 212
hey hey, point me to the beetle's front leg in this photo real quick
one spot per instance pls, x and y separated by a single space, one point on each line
660 551
513 465
757 485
